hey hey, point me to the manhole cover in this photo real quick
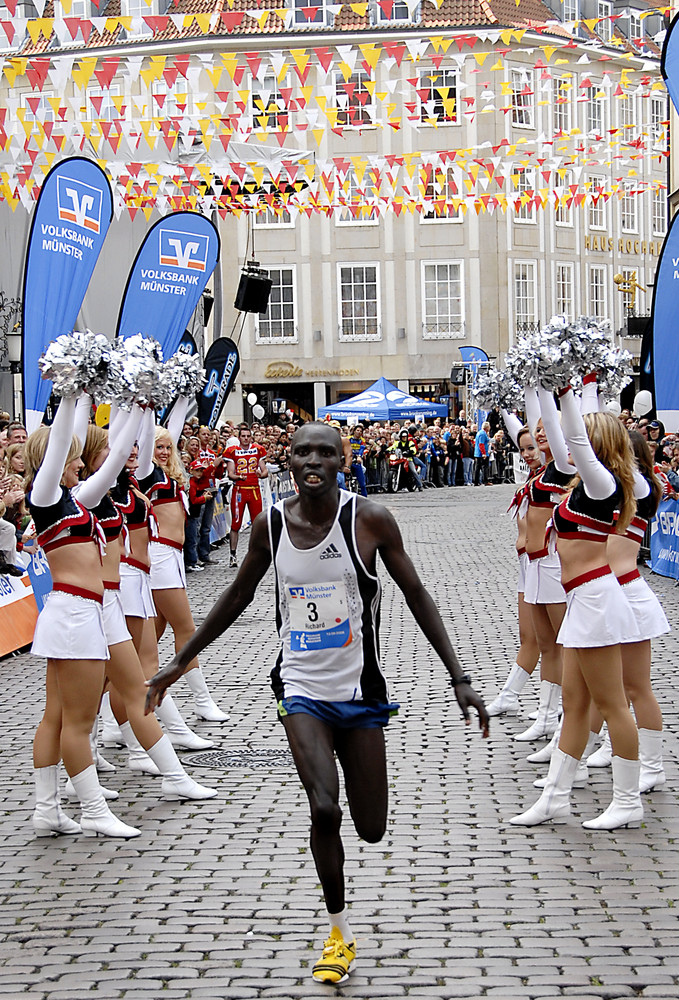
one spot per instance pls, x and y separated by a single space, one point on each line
244 757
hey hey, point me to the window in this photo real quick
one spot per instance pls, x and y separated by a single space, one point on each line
636 28
359 309
358 201
628 211
100 106
438 96
597 205
564 299
139 9
628 117
440 195
524 183
272 215
525 311
564 210
355 106
312 13
563 104
279 322
442 300
597 307
37 107
571 10
659 212
170 102
268 109
79 8
595 110
658 122
605 26
394 10
523 106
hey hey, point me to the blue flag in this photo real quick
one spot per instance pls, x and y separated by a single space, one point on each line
69 226
669 62
665 350
168 277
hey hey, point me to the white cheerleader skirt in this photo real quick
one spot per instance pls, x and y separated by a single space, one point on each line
115 625
543 580
523 563
167 566
135 592
646 607
71 626
597 613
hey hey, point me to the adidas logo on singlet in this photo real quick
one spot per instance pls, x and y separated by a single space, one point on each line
330 553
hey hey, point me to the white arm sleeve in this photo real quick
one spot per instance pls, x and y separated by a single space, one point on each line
532 408
146 442
590 398
46 488
93 489
554 431
642 487
599 483
83 408
513 425
178 413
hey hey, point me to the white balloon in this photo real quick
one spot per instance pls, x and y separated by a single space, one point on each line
643 403
258 411
252 398
614 408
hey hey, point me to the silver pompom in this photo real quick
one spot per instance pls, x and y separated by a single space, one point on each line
184 374
134 373
75 361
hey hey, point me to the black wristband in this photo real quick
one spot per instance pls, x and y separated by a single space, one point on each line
462 679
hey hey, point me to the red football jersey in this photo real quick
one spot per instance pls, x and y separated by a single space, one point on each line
246 461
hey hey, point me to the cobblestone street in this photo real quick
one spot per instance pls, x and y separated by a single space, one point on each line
220 900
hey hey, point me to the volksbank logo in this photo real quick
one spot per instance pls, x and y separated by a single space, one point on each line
79 203
186 250
331 553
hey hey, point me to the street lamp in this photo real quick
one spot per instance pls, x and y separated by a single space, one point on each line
13 340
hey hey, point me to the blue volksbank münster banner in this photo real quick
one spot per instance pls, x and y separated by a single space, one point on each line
168 277
665 540
665 340
69 226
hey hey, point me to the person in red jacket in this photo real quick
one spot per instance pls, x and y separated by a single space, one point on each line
200 492
246 465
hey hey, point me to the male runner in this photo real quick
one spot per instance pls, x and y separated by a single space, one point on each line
246 465
328 682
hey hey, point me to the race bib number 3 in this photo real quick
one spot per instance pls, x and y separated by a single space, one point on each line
319 617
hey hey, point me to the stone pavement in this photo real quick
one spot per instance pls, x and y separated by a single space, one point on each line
220 900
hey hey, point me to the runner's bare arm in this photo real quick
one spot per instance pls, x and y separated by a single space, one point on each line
224 613
389 544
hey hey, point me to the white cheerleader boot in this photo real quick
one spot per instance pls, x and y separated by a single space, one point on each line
48 818
100 762
138 759
176 782
175 727
70 793
507 702
544 754
110 730
652 772
554 804
97 820
548 714
202 699
582 773
603 756
625 808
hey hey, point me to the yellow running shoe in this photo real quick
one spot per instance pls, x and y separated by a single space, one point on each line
335 963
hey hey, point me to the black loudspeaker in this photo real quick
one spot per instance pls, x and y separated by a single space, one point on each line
458 374
253 292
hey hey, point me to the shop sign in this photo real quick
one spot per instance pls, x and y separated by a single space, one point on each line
604 243
285 369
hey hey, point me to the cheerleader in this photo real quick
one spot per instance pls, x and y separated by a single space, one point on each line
162 480
142 733
528 655
597 619
137 597
69 632
622 550
543 591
